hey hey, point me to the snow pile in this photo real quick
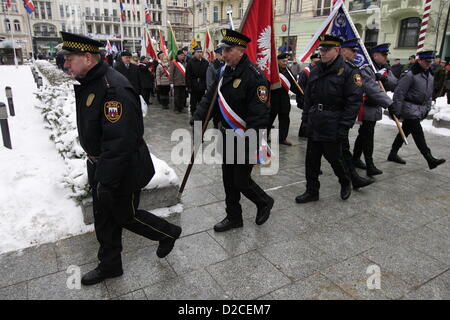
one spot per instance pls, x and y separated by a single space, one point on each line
441 109
34 207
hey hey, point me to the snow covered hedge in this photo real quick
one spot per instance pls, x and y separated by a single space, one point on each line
56 100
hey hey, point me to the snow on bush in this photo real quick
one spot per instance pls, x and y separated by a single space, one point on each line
56 100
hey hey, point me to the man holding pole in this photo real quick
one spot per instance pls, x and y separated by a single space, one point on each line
242 107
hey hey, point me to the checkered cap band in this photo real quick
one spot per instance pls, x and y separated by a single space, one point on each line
81 46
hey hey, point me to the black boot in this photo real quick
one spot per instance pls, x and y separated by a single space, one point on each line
358 181
371 169
96 276
432 161
394 157
359 164
346 190
166 244
226 224
307 197
264 212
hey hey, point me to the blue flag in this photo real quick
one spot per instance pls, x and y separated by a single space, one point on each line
341 28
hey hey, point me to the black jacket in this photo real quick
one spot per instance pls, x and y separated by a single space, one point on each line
132 73
280 97
147 78
110 127
337 86
196 74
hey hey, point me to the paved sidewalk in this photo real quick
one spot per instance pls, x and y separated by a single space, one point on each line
319 250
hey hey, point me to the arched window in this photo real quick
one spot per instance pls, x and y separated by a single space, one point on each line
409 32
16 25
7 25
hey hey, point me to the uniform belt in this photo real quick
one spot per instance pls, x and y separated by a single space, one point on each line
322 107
93 159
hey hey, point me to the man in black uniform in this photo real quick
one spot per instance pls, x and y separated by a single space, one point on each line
244 89
196 77
280 102
332 99
110 129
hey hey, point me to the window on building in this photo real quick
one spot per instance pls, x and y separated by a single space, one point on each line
116 30
67 11
129 15
323 7
98 28
7 25
159 16
175 3
138 16
409 32
205 15
107 29
241 10
42 9
61 11
125 33
49 10
371 37
106 12
286 6
139 32
88 11
299 5
16 25
97 12
89 28
185 4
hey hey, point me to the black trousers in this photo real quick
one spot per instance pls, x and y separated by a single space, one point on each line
179 99
282 111
412 126
195 99
364 140
236 180
146 94
122 213
332 151
347 155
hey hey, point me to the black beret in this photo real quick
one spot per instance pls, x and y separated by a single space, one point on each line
283 55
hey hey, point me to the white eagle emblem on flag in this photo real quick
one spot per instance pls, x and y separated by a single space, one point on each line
264 50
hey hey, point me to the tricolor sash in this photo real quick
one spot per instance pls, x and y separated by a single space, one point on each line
180 67
239 126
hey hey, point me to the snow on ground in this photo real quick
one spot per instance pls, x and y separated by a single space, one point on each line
34 206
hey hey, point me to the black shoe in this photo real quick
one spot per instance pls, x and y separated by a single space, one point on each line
346 191
226 224
360 182
263 213
395 158
359 164
371 169
166 244
432 161
307 197
96 276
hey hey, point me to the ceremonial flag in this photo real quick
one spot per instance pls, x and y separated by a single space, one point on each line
171 43
29 6
258 26
8 3
209 47
148 17
108 47
162 44
150 51
122 11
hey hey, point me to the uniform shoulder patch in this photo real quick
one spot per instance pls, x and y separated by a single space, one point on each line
113 111
357 79
262 93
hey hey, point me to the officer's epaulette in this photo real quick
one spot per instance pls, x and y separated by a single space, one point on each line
351 64
254 69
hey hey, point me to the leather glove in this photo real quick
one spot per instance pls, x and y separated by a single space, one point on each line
105 196
381 77
343 133
392 111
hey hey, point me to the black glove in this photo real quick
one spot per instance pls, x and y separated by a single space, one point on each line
105 196
343 133
392 111
381 77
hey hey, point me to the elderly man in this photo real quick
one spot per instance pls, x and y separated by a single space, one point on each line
412 102
243 107
196 77
110 129
130 71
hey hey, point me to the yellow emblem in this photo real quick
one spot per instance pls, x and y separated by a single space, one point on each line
341 71
263 93
113 111
358 80
236 83
90 99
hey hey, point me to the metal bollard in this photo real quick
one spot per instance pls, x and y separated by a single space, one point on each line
4 126
8 92
39 82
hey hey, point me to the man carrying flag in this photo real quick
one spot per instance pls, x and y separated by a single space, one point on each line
241 106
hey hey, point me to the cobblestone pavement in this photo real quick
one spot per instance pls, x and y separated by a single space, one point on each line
320 250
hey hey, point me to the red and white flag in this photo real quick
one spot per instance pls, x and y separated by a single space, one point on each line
258 26
8 3
162 43
150 51
209 47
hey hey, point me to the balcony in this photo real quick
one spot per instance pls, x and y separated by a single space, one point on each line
389 6
45 34
357 5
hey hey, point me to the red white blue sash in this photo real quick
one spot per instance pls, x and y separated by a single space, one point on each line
239 126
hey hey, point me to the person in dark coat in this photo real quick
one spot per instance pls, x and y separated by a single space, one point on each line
375 99
213 68
60 60
280 102
244 91
397 68
196 77
332 99
130 71
412 102
147 78
302 81
110 130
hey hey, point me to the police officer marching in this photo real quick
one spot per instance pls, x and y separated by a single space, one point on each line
110 130
332 99
242 106
375 99
412 102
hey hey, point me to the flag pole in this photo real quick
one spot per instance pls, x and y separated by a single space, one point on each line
31 38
